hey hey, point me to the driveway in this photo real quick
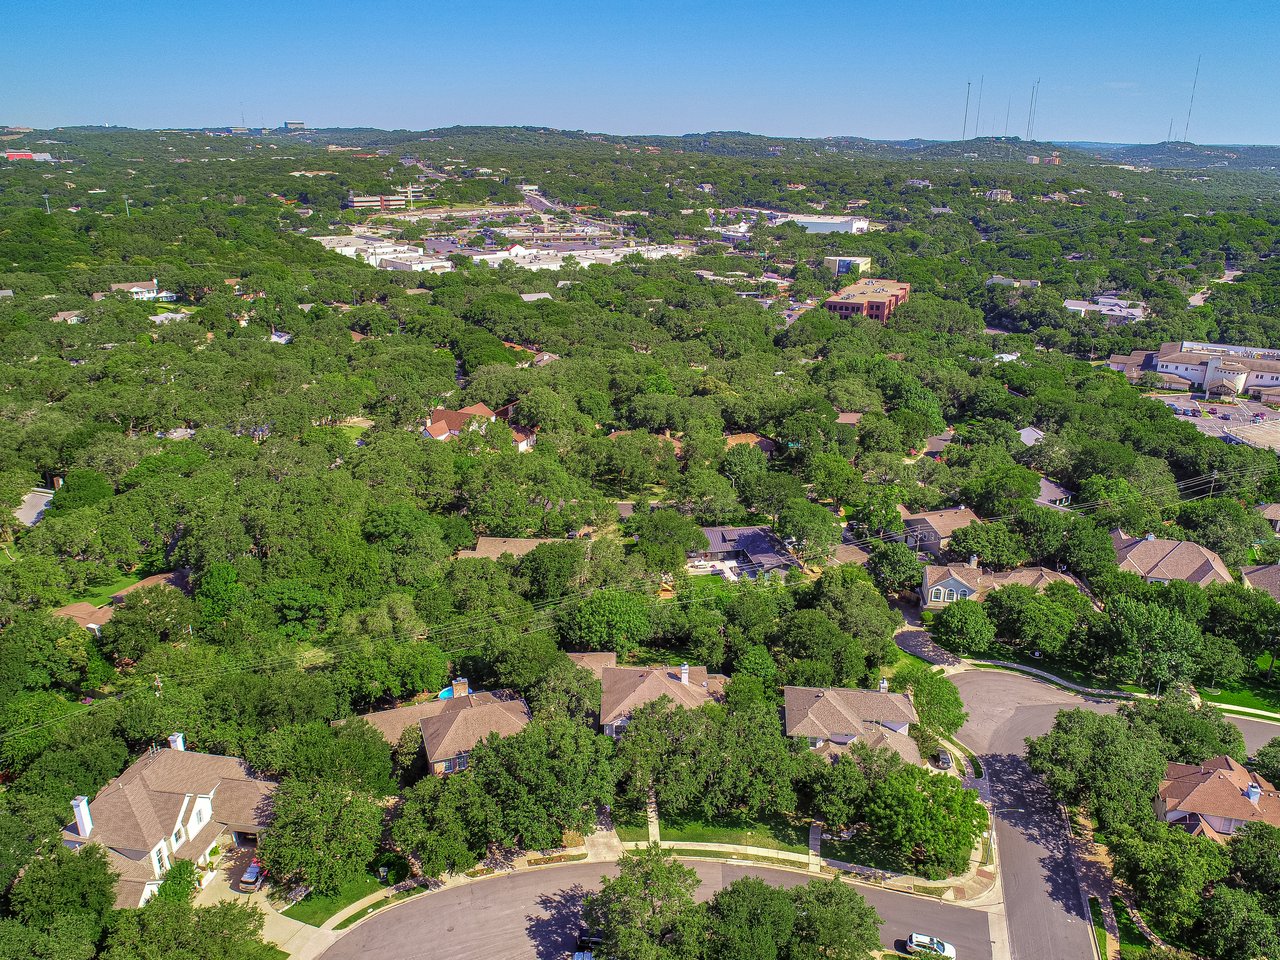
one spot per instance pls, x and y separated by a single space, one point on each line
1042 898
535 915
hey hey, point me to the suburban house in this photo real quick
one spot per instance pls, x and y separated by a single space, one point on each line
491 548
146 290
1159 561
756 548
1216 798
763 444
1271 511
1265 577
172 804
831 718
95 618
595 662
453 725
942 585
623 690
1116 309
1000 281
1030 436
444 424
1053 494
931 531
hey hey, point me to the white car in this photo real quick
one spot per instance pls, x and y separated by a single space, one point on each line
930 946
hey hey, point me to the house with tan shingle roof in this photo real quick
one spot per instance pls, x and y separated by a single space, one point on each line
831 718
173 804
1264 577
942 585
1216 798
1271 511
931 531
625 689
1159 561
452 727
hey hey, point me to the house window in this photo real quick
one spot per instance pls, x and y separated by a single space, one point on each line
460 763
447 766
178 837
159 857
936 594
964 594
951 595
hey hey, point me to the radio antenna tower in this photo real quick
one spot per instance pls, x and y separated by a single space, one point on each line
1007 108
977 120
968 85
1193 100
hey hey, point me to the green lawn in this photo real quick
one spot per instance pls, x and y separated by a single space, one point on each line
1099 928
1132 942
773 833
100 595
632 826
717 855
865 851
1254 691
315 910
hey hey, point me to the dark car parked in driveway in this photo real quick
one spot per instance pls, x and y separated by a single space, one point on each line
944 759
251 880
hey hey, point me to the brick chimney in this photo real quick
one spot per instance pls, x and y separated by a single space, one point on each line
84 822
460 688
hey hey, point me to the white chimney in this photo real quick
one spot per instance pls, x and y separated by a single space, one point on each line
177 741
1149 537
461 688
84 822
884 685
973 560
684 673
1253 793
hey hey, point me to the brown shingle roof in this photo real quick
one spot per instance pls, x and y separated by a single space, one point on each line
821 712
1217 789
624 689
935 525
981 582
1270 510
1265 577
492 548
1169 559
459 723
595 662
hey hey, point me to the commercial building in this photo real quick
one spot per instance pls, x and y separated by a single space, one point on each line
869 297
1217 369
842 265
294 125
820 223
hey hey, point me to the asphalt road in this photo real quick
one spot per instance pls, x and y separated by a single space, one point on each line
536 915
1041 890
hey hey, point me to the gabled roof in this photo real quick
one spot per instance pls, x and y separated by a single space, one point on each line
624 689
981 582
595 662
940 523
139 808
443 422
1169 559
1217 788
823 711
456 725
1270 510
493 547
1265 577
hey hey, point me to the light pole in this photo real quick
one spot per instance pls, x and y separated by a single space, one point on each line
126 207
46 202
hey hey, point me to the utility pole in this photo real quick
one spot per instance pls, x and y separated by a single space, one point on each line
126 207
968 85
46 202
1007 108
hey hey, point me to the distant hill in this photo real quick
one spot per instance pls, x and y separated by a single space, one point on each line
1179 154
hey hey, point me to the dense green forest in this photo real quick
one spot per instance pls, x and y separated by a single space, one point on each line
318 528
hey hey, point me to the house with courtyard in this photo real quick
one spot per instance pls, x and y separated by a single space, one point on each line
172 804
831 718
1159 561
756 550
623 690
1216 798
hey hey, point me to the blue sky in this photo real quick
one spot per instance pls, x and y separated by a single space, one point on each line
1116 70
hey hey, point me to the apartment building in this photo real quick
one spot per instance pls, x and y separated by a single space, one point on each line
869 297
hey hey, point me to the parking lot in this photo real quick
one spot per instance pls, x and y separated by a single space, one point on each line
1233 420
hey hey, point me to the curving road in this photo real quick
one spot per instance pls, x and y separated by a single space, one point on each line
536 915
1042 897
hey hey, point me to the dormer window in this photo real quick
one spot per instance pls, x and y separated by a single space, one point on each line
178 837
